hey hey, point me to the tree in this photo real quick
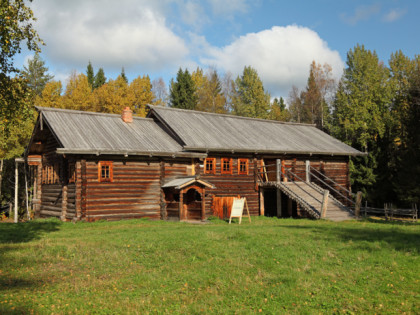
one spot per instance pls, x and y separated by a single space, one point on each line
36 74
140 94
123 75
100 79
279 111
408 167
361 108
90 75
250 100
209 91
51 95
160 92
182 91
15 28
296 105
78 94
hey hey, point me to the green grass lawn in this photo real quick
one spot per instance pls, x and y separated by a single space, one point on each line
268 266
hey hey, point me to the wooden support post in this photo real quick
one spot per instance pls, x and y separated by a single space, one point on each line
358 204
386 211
262 209
78 200
64 202
16 192
181 205
26 193
278 170
324 204
283 172
308 171
203 205
365 209
278 191
163 212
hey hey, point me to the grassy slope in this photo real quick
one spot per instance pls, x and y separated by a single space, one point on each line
269 266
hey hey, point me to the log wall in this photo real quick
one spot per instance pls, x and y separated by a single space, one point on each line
133 193
229 185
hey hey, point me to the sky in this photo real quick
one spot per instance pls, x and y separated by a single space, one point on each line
278 38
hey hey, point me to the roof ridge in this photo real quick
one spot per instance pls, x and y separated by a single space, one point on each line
152 107
73 111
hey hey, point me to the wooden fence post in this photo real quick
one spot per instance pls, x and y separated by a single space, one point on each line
324 204
358 204
386 211
365 209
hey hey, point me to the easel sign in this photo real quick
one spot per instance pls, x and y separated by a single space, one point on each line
238 209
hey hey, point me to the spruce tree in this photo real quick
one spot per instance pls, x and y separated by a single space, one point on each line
183 91
100 79
90 75
123 75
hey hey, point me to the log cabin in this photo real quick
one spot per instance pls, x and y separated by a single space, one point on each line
183 165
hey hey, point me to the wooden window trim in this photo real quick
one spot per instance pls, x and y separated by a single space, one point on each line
109 179
246 172
222 164
213 163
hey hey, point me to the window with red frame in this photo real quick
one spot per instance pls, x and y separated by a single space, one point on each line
243 166
210 166
105 171
226 165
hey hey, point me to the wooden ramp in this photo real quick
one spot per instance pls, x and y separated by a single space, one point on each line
309 197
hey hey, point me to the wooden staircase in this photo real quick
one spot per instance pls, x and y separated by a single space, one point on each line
309 196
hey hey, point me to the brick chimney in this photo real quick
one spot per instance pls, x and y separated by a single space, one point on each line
127 115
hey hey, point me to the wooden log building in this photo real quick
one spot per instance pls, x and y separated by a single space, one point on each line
173 165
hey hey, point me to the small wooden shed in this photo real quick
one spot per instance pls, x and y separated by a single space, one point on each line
185 197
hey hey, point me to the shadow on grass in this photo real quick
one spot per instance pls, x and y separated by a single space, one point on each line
406 241
7 284
28 231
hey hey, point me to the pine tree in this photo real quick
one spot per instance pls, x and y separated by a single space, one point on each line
36 74
251 100
100 79
182 91
90 75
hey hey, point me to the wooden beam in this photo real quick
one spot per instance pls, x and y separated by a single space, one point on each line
262 209
279 210
324 204
278 170
308 171
358 204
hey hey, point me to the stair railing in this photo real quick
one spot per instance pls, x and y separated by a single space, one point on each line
334 183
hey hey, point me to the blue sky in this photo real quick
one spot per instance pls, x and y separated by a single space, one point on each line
278 38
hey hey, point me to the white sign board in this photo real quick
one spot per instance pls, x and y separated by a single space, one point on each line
238 209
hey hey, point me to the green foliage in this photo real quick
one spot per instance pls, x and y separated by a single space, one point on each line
36 74
183 91
90 74
279 111
100 79
361 112
16 27
270 266
250 100
209 91
17 116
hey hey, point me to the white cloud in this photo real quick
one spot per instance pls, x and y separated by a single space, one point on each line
281 55
111 34
394 15
361 13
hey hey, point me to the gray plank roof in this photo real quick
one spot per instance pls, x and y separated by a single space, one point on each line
84 132
179 183
200 131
